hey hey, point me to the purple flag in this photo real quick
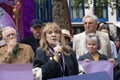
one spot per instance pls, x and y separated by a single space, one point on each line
98 66
16 72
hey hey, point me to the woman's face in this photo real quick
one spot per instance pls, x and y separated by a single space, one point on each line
92 46
52 36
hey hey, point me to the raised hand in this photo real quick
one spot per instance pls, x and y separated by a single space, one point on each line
11 45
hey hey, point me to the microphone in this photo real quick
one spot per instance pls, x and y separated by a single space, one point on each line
58 44
61 59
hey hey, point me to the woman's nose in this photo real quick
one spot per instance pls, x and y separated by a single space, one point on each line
53 33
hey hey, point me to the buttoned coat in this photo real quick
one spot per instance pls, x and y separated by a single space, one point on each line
51 68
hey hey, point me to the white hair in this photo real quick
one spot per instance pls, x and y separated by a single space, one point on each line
93 37
91 16
6 28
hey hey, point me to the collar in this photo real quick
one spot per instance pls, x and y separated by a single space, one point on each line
91 32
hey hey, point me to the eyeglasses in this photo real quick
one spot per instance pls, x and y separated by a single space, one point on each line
11 35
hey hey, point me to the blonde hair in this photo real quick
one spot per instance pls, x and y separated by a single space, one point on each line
43 41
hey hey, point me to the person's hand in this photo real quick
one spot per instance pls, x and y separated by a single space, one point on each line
112 61
11 45
86 60
58 50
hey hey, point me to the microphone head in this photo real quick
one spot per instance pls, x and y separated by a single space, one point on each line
58 43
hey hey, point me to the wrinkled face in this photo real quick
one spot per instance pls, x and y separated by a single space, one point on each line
90 25
9 35
92 46
36 31
52 36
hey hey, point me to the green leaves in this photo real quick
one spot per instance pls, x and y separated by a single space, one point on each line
76 3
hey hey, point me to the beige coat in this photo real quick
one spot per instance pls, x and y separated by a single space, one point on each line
80 48
25 54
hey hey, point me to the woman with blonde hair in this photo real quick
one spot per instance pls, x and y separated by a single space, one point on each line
54 58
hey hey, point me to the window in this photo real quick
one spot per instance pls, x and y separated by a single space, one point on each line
118 9
101 10
78 29
43 10
76 10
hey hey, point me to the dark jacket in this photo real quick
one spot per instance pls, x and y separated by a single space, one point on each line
30 40
52 69
88 56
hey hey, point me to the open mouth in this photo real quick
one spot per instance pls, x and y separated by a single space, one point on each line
54 39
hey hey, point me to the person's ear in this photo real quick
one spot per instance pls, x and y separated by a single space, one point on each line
31 28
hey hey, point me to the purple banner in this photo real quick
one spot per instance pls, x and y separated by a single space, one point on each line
27 15
16 72
98 66
5 19
8 2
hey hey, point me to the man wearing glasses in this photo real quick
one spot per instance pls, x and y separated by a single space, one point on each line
14 52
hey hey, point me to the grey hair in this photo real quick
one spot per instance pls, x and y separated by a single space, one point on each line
93 37
6 28
92 16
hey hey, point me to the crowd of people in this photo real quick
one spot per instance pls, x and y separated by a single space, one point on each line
55 53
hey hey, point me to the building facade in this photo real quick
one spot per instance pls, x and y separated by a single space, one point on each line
106 10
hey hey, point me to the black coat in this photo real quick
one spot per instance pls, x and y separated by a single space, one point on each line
51 69
30 40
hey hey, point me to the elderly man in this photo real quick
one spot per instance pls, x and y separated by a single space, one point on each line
14 52
90 25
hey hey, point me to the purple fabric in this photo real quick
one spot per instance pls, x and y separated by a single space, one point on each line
98 66
16 72
8 2
28 15
91 76
6 20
